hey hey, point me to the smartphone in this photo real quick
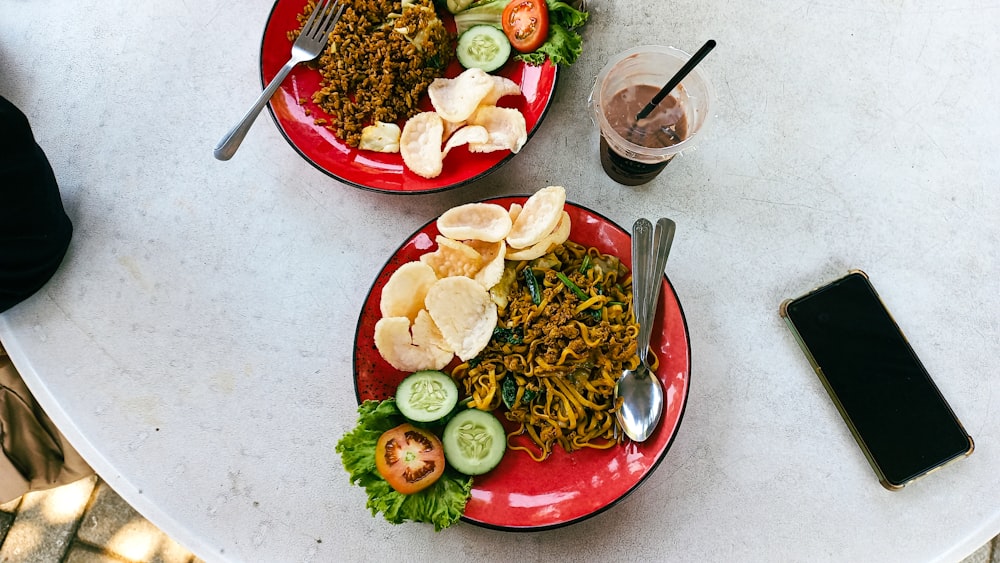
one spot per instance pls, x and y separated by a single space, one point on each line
902 422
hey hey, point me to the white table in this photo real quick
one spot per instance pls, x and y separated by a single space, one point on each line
196 344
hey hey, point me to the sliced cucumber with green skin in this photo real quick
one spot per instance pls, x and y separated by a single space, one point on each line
474 442
426 396
483 46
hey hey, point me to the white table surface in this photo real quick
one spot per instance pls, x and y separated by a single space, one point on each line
196 344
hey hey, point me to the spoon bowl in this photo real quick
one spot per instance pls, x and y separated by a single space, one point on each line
639 390
642 403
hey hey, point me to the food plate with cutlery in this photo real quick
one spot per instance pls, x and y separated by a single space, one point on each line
313 131
564 488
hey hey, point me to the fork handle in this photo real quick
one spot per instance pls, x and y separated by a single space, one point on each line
231 141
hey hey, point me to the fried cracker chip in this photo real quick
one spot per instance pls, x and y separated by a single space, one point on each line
455 99
453 258
515 210
425 332
502 86
493 254
470 134
558 236
420 144
450 127
506 126
539 217
464 312
405 351
403 294
476 221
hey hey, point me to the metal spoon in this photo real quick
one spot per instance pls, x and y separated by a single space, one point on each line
639 389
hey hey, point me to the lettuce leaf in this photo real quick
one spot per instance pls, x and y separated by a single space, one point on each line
566 15
482 12
563 45
441 504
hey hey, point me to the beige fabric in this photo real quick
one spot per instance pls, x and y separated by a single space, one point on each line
35 456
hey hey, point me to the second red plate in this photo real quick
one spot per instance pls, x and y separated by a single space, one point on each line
371 170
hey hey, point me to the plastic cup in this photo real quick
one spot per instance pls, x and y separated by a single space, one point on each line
631 153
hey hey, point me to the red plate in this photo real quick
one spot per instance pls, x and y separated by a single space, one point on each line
371 170
521 494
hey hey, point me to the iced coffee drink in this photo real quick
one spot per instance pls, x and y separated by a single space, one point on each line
635 151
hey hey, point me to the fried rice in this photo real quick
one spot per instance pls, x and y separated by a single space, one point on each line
381 57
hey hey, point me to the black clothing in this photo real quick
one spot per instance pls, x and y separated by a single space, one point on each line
34 228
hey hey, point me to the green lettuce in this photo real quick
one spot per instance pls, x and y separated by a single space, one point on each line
483 12
563 44
441 504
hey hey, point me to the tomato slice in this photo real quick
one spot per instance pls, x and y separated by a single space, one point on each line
526 24
410 459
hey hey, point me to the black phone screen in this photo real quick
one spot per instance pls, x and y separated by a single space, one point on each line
897 413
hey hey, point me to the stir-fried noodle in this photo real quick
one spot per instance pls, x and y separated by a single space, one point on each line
561 342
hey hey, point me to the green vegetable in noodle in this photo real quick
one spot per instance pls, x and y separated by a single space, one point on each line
547 262
508 392
509 335
572 286
586 264
440 504
533 288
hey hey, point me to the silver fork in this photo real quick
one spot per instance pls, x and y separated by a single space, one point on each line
310 43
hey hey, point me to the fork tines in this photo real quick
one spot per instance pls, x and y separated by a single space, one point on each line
330 11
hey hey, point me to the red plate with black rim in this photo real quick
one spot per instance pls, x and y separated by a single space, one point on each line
371 170
522 494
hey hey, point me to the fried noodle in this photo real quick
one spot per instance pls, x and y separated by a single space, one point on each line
555 363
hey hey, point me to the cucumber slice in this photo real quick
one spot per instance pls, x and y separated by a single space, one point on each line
474 442
426 396
483 46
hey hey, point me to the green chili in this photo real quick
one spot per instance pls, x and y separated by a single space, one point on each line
573 287
533 288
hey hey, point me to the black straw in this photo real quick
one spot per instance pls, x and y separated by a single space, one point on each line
687 68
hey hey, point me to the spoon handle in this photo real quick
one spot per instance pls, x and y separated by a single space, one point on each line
642 264
663 239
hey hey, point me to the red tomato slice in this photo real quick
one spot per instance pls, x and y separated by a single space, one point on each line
526 24
409 458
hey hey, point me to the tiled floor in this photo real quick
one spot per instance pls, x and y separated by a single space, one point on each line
83 522
989 553
86 522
